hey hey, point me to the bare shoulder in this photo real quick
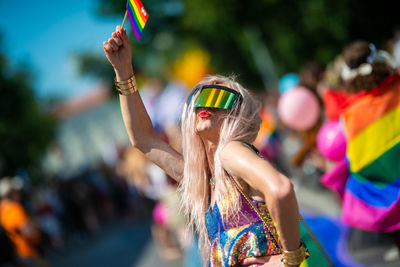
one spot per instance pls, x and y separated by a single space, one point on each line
234 147
236 155
241 161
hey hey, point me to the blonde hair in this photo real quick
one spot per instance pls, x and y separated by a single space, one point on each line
241 124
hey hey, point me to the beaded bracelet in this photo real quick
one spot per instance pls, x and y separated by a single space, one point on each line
127 87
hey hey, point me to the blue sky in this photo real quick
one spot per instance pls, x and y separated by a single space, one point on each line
46 34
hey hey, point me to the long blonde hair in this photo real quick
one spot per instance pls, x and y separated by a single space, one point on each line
241 124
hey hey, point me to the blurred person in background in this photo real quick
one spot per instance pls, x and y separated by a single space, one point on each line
311 75
371 120
80 214
47 206
217 169
154 185
20 228
396 48
152 88
169 108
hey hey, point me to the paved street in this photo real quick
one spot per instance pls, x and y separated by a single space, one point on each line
117 244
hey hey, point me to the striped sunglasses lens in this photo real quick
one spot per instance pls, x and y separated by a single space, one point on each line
215 96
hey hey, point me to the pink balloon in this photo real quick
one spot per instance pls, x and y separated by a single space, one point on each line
160 214
299 108
331 141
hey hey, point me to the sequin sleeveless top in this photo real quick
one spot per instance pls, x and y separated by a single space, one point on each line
241 237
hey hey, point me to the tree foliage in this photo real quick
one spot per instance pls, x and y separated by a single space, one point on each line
293 31
25 129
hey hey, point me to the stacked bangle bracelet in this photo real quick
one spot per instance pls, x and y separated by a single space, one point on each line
127 87
295 257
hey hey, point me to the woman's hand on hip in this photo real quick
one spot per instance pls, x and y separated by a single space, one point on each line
118 51
266 261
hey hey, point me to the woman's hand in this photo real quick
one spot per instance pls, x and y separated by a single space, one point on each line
118 52
267 261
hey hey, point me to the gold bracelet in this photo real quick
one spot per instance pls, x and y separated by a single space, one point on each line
295 257
126 87
128 91
131 79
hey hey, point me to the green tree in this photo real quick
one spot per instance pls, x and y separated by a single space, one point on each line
25 129
288 33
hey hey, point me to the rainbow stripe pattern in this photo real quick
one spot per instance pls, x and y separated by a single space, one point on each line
333 236
372 122
215 96
137 16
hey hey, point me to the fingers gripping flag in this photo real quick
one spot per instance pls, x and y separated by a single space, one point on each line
137 16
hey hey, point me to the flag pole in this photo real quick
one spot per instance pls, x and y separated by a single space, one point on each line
123 22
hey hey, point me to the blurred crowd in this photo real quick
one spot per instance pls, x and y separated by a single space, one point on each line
42 218
302 132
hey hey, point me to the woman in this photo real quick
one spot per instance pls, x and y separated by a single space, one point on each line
372 125
216 157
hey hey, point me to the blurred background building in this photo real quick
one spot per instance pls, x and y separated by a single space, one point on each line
90 131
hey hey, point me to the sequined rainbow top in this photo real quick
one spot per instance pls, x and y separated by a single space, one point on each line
241 237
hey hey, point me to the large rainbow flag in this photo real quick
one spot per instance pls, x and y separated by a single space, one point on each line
333 235
371 199
137 16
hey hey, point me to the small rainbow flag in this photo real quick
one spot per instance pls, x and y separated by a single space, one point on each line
137 15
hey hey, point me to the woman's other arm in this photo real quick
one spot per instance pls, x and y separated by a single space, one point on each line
137 121
241 161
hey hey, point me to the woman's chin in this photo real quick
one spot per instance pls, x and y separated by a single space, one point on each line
204 130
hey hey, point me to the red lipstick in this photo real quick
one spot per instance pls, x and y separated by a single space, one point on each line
204 114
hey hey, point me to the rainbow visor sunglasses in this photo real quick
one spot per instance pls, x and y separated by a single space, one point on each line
215 96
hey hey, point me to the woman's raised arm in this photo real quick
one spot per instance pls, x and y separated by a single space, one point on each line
137 122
